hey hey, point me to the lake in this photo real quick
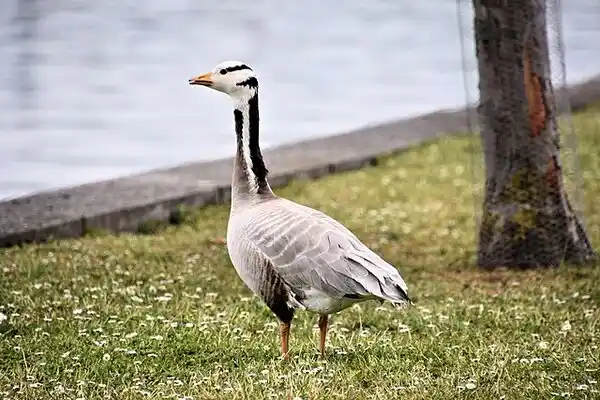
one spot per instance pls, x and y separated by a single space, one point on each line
92 90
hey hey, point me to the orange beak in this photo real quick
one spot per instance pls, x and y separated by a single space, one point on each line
203 80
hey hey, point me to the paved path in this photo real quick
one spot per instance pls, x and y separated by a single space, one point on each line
123 204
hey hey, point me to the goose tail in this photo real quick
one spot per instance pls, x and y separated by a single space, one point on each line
396 292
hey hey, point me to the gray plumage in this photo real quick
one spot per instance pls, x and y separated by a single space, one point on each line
324 266
290 255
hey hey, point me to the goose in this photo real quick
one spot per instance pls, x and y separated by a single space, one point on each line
290 255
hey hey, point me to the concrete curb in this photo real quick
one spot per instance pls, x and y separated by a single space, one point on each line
124 204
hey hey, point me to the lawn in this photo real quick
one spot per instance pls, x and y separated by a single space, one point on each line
164 315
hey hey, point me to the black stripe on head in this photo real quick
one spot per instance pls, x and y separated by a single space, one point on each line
251 82
237 68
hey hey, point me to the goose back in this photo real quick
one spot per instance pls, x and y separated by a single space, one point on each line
320 264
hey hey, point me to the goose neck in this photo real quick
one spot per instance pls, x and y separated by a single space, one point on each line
250 171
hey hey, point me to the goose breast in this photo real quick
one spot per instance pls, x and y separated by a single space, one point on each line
321 264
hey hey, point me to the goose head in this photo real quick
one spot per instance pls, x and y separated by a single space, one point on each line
234 78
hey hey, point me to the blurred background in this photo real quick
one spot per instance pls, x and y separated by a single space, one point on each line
92 90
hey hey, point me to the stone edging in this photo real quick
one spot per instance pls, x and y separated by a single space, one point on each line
123 204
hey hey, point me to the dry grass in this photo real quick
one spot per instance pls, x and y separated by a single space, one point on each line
165 315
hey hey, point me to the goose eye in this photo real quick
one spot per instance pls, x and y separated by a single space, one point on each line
223 71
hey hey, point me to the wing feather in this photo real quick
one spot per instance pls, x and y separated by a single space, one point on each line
310 250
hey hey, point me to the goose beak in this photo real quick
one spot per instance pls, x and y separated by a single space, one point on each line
203 80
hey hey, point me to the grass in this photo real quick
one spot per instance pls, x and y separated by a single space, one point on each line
164 315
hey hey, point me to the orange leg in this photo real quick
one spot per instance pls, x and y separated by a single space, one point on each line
284 331
323 321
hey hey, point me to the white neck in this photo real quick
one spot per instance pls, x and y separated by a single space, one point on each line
249 180
241 104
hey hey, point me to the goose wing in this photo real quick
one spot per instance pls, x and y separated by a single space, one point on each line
310 250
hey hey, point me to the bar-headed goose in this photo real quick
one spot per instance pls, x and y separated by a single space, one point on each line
290 255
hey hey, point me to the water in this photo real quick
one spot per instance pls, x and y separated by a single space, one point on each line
92 90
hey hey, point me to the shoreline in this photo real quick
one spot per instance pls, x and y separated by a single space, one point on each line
124 204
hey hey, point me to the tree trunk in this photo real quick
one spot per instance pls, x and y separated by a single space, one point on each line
527 218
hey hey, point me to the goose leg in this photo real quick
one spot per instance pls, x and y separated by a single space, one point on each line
284 331
323 320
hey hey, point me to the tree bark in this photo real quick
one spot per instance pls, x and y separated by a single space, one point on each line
527 219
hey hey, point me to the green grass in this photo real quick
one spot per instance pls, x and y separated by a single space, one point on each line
164 315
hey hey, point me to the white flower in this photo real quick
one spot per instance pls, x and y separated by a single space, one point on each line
3 317
470 386
543 345
566 326
106 357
